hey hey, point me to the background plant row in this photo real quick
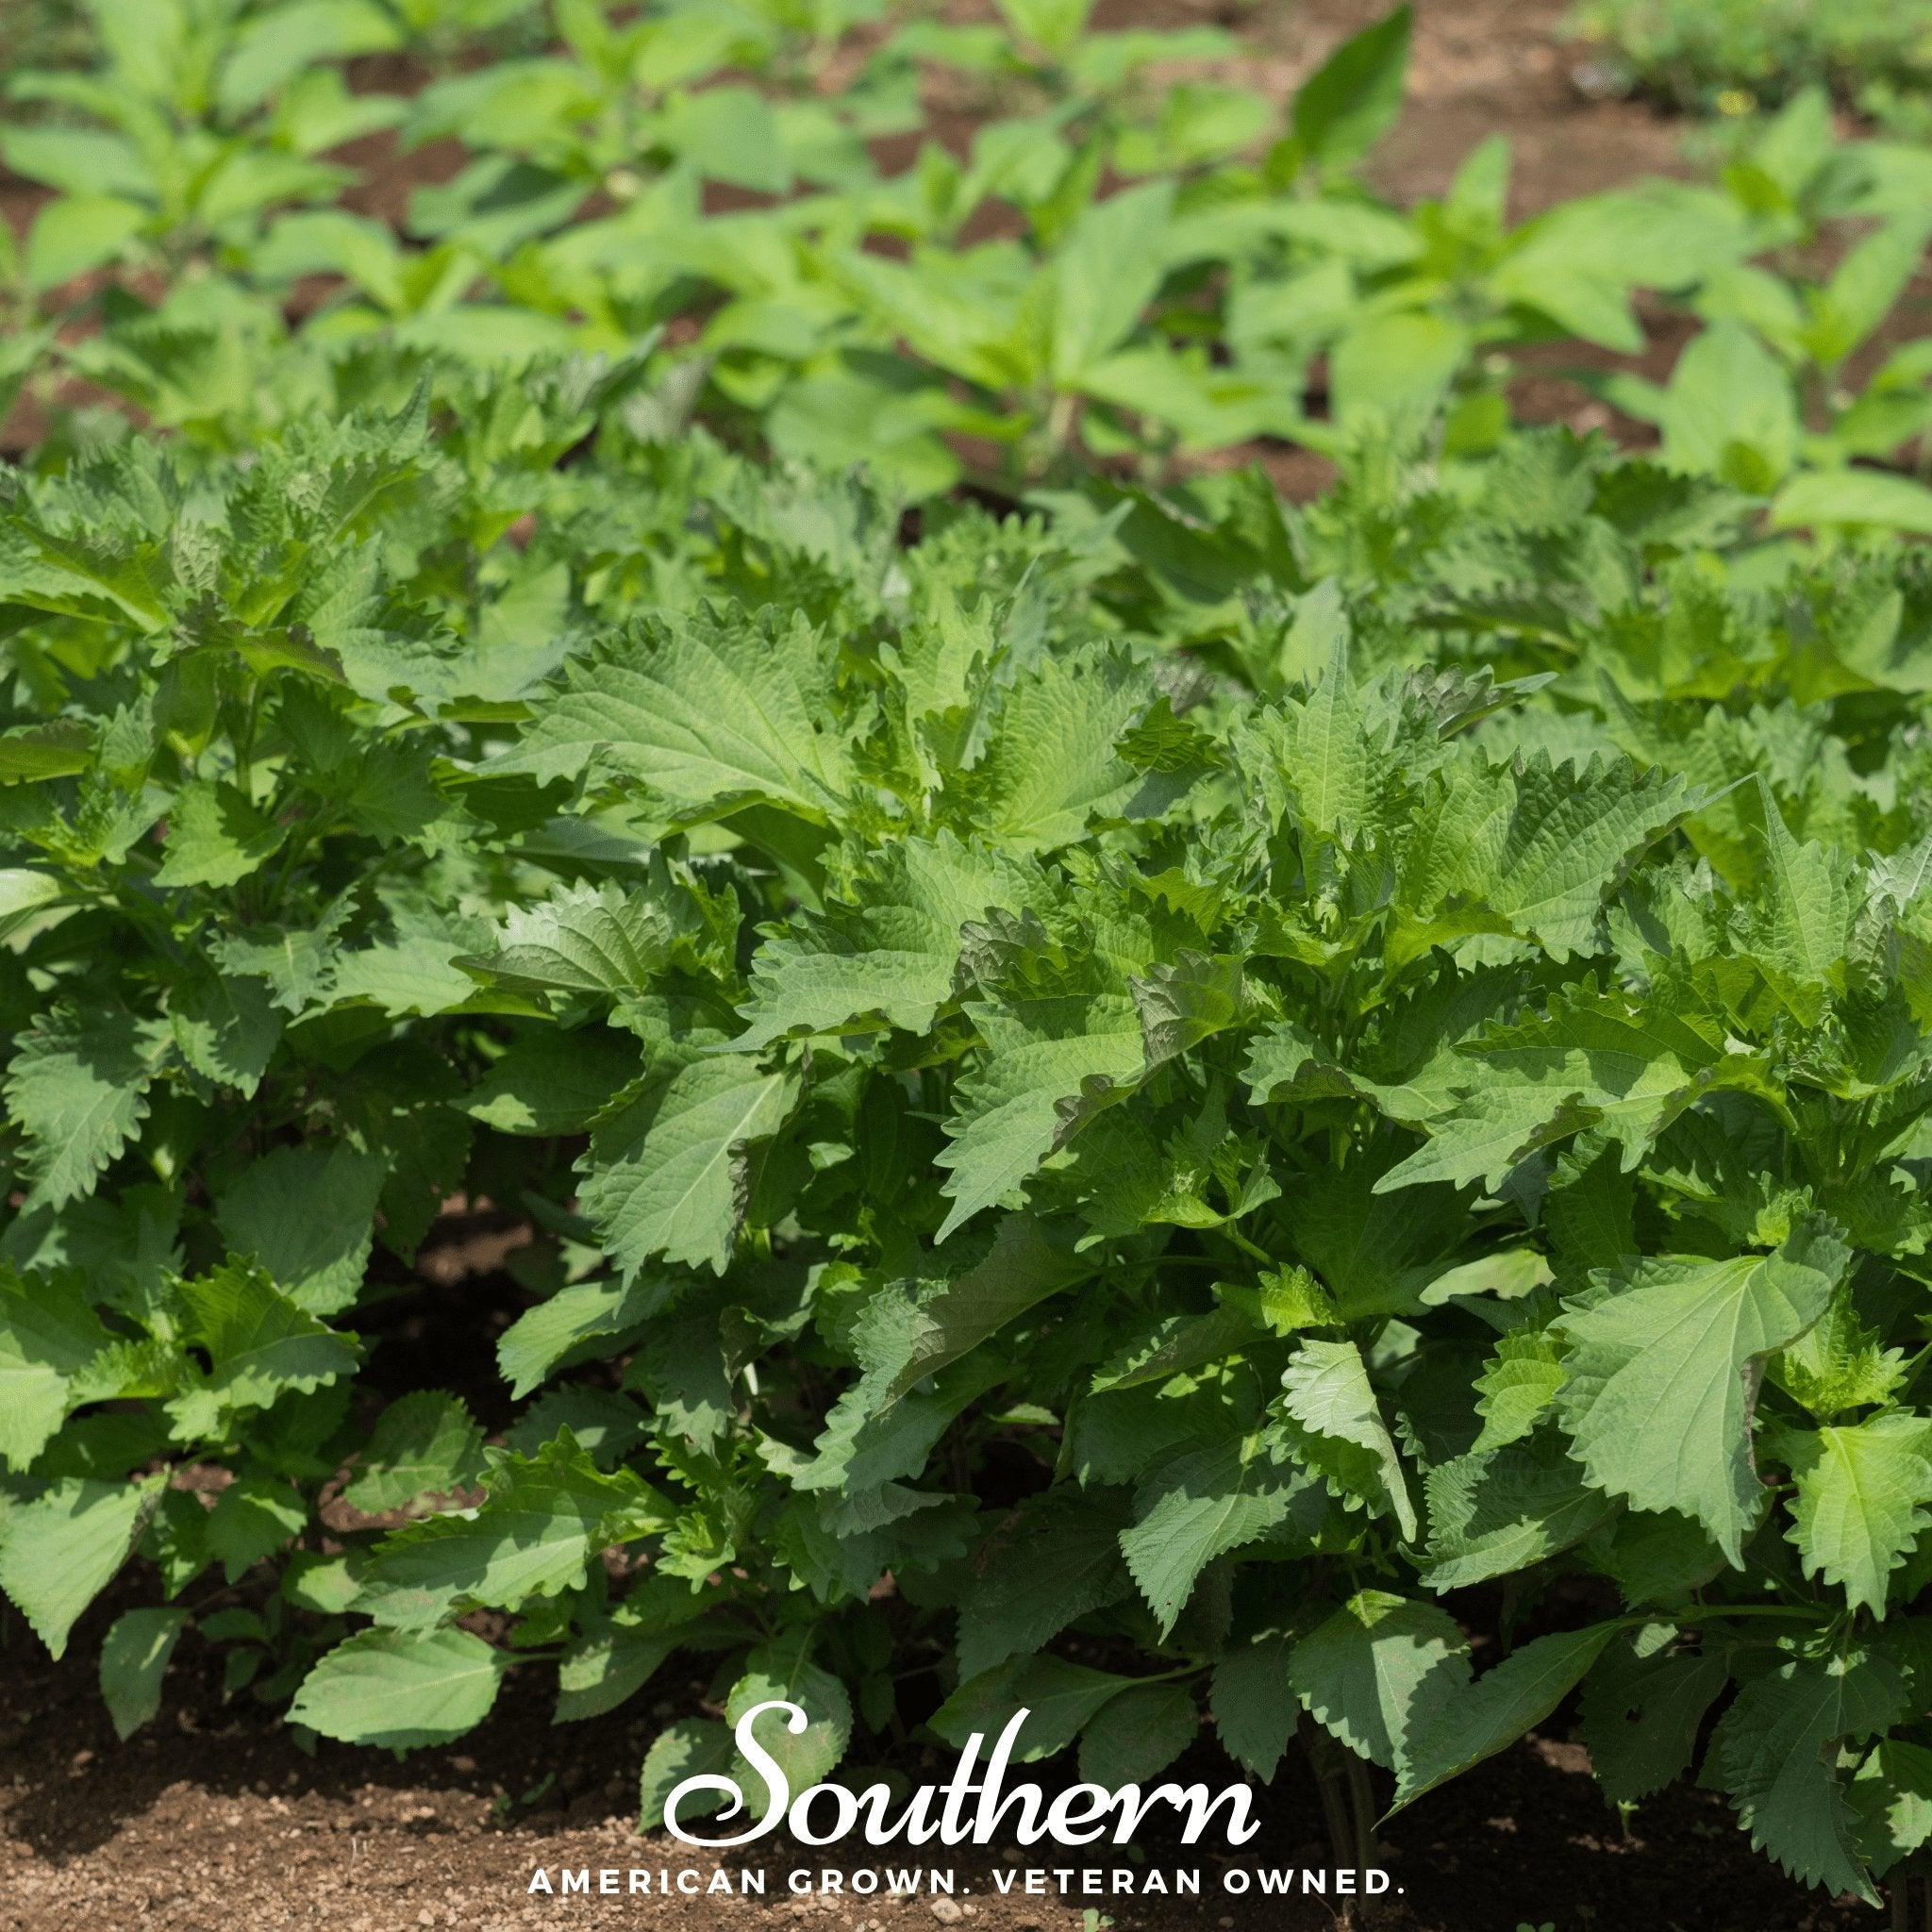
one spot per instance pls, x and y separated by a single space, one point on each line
1117 270
1162 1106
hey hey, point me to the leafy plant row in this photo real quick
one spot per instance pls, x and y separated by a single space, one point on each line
1172 269
1341 1056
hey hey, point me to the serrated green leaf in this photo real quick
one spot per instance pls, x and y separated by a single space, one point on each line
226 1028
134 1659
712 715
1059 1697
403 1689
1517 1386
307 1215
215 837
1771 1756
552 1082
253 1519
1499 1511
260 1344
1642 1711
1255 1707
1135 1736
666 1170
915 1328
1326 1389
78 1088
1197 1506
1374 1669
49 1337
1048 1065
892 956
1662 1359
423 1443
783 1670
1052 765
1048 1565
543 1518
692 1747
582 938
1454 1733
64 1544
1861 1508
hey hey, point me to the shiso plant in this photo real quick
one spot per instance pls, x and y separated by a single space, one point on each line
1157 1106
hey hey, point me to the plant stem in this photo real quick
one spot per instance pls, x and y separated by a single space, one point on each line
1362 1796
1320 1751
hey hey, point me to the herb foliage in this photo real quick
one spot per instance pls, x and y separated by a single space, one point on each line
1371 1051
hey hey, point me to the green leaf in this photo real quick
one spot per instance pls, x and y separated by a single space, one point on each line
1518 1386
545 1517
425 1444
401 1689
1861 1508
78 1088
1346 106
63 1546
1255 1707
56 749
1662 1368
1197 1506
49 1337
1800 936
253 1519
307 1215
1891 1795
681 1369
1060 1698
1051 764
215 837
226 1028
1326 1389
892 957
259 1343
716 714
1593 1063
551 1082
78 233
608 1669
1730 411
667 1173
542 1339
24 897
1048 1064
1860 498
582 938
134 1659
1046 1566
1771 1755
783 1670
1641 1711
1138 1735
1568 840
1372 1671
692 1747
1453 1734
1107 269
1500 1510
912 1329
